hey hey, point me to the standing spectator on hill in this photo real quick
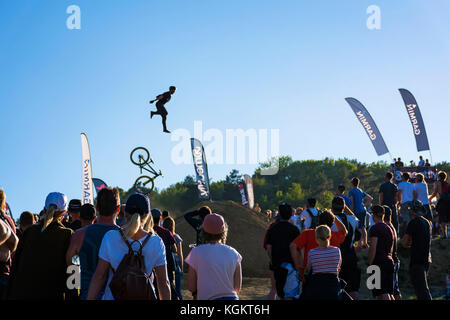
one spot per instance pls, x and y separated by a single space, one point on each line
279 237
87 215
418 237
381 241
137 233
306 241
388 220
358 196
170 244
442 192
350 271
400 163
25 221
421 162
324 263
74 214
427 163
310 215
215 271
404 196
39 270
86 241
169 224
388 197
340 193
196 223
421 193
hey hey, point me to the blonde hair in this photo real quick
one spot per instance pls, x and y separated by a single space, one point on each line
135 221
323 235
50 215
169 224
2 200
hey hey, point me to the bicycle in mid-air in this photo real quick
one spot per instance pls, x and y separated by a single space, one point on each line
141 157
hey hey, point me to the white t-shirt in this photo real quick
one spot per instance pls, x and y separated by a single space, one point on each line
215 265
421 190
113 249
353 221
295 220
306 215
407 189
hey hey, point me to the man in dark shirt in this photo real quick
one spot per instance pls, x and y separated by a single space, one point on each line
74 213
160 109
388 220
418 237
279 238
388 197
381 239
197 223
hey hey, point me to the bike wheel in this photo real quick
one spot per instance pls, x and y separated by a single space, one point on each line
144 184
139 156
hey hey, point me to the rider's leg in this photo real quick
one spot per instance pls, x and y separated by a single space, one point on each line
164 118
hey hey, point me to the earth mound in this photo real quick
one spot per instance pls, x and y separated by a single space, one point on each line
246 230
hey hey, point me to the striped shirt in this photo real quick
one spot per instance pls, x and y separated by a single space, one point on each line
324 260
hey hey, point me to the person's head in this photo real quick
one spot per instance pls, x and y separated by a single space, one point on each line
54 209
311 202
137 214
108 202
416 209
74 209
442 176
337 205
399 159
2 200
387 214
378 213
426 161
395 159
323 236
165 214
326 218
87 214
156 215
420 157
340 189
26 220
204 211
285 210
405 176
388 177
419 178
355 182
214 228
172 89
169 224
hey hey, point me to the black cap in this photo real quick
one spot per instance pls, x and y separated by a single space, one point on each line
138 203
87 212
74 205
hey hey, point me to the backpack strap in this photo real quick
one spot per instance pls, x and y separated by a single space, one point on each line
124 238
144 242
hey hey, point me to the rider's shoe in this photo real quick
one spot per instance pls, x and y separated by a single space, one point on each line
167 131
152 114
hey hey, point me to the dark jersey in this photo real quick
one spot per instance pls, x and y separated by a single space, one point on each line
166 98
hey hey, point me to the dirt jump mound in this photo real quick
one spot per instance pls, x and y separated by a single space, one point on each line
246 230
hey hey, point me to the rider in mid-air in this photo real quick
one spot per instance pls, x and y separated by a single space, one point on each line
160 109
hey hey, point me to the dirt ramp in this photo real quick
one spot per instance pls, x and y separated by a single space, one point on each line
246 230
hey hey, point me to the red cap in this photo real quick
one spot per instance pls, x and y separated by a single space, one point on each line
214 224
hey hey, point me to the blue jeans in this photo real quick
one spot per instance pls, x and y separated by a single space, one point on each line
178 277
396 287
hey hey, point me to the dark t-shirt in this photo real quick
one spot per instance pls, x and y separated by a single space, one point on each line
166 98
394 247
169 241
75 225
389 190
280 237
384 243
419 229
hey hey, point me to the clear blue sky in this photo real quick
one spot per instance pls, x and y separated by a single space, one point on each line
261 64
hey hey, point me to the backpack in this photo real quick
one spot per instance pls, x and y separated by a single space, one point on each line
130 281
314 219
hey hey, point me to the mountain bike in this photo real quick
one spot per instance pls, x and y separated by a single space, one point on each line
141 158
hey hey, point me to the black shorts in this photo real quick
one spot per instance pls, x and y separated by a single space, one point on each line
161 109
350 272
387 278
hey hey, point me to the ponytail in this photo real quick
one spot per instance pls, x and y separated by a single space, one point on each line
133 225
48 218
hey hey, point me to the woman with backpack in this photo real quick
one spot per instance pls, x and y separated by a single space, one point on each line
124 253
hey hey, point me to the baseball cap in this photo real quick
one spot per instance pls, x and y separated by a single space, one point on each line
75 205
417 207
56 199
213 224
156 213
138 203
87 212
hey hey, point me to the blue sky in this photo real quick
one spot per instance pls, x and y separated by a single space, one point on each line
263 64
